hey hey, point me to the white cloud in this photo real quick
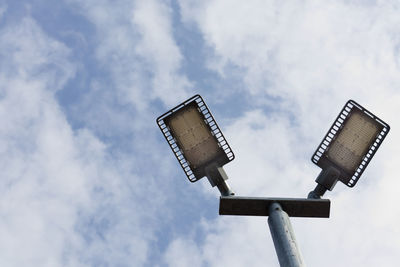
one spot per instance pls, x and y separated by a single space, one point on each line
42 183
3 9
182 253
136 39
294 51
66 200
157 46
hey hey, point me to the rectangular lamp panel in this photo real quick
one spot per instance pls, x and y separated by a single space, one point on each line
353 141
193 135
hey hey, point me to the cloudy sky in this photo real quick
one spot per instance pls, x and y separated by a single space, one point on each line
88 179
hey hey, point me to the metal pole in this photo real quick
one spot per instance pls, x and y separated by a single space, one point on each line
283 236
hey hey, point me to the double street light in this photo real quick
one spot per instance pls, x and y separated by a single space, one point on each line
201 149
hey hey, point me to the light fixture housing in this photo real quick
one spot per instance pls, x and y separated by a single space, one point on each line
195 138
350 144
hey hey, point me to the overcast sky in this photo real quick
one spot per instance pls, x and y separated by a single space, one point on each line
87 178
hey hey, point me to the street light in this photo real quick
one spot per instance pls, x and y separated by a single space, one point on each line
197 142
348 147
343 155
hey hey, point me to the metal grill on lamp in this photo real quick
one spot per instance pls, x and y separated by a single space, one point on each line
351 142
194 137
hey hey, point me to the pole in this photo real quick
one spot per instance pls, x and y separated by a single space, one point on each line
283 236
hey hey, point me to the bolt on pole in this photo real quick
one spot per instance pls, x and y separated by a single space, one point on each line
283 236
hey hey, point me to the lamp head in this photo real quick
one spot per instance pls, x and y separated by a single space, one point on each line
349 146
195 138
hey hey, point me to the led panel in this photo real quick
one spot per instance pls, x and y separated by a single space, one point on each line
351 142
194 137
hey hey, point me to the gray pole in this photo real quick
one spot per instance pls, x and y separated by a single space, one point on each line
283 236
